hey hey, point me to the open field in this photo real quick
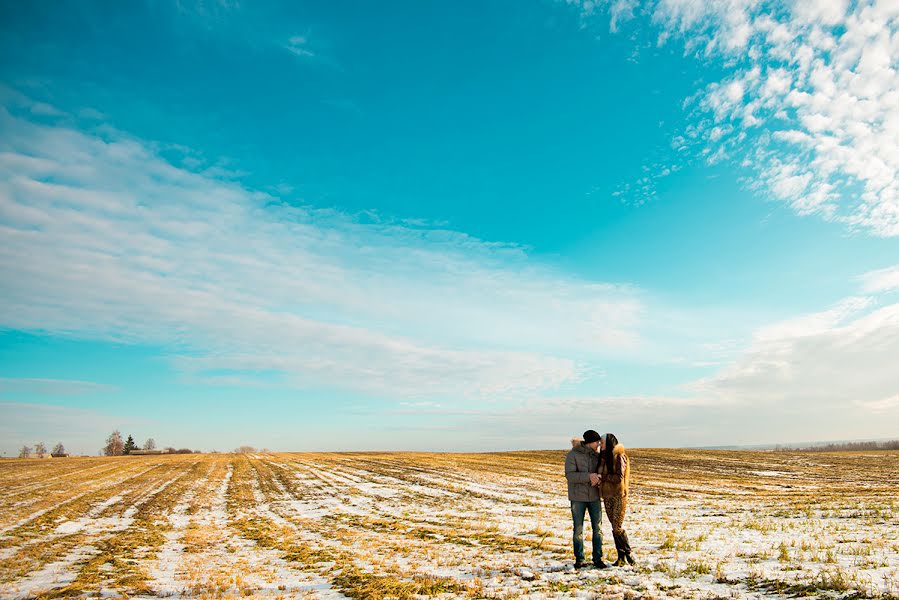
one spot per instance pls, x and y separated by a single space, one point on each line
703 524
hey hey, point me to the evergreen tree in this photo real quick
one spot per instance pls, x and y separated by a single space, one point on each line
129 446
59 448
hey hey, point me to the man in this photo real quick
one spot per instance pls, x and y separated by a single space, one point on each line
581 471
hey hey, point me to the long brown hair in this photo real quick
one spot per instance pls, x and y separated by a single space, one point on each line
608 454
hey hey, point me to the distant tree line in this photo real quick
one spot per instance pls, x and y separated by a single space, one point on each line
40 450
115 446
845 447
118 446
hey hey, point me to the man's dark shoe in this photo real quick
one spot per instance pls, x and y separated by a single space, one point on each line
599 564
630 559
579 564
620 562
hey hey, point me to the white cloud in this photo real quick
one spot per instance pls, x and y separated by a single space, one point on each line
818 364
822 76
55 387
299 45
621 10
829 86
824 375
104 239
880 406
708 26
311 51
829 374
825 12
814 323
47 110
881 280
91 113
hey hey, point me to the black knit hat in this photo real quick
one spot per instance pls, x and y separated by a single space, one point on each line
590 436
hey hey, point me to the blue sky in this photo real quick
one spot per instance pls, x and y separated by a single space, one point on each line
431 226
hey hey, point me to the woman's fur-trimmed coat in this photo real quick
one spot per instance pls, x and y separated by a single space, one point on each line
615 483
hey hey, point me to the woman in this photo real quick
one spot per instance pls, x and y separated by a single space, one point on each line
615 471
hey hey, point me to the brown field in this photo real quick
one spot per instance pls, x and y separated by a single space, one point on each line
703 524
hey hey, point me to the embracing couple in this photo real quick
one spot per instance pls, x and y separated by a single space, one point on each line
597 467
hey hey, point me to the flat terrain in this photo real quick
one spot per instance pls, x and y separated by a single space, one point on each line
703 524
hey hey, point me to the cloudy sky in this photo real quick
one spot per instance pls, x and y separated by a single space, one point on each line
448 226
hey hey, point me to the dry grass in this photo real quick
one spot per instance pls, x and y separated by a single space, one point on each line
405 525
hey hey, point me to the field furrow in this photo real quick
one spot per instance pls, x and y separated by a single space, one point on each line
702 524
72 537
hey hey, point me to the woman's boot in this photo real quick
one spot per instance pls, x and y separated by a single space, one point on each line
619 562
626 548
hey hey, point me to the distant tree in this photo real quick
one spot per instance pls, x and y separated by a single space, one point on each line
244 450
114 445
25 452
59 448
150 444
40 449
129 446
169 450
846 447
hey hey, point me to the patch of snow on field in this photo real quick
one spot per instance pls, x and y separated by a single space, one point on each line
169 557
95 526
53 575
771 473
306 510
21 522
92 523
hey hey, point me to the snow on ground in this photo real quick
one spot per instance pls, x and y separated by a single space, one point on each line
701 524
54 575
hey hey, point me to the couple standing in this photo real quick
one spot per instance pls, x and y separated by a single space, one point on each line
597 467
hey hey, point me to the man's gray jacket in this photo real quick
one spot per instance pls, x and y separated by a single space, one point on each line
580 462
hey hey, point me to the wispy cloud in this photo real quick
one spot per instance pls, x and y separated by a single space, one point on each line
819 364
53 387
809 105
883 405
825 374
311 51
299 45
881 280
105 239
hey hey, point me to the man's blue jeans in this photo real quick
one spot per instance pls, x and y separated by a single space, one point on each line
578 510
